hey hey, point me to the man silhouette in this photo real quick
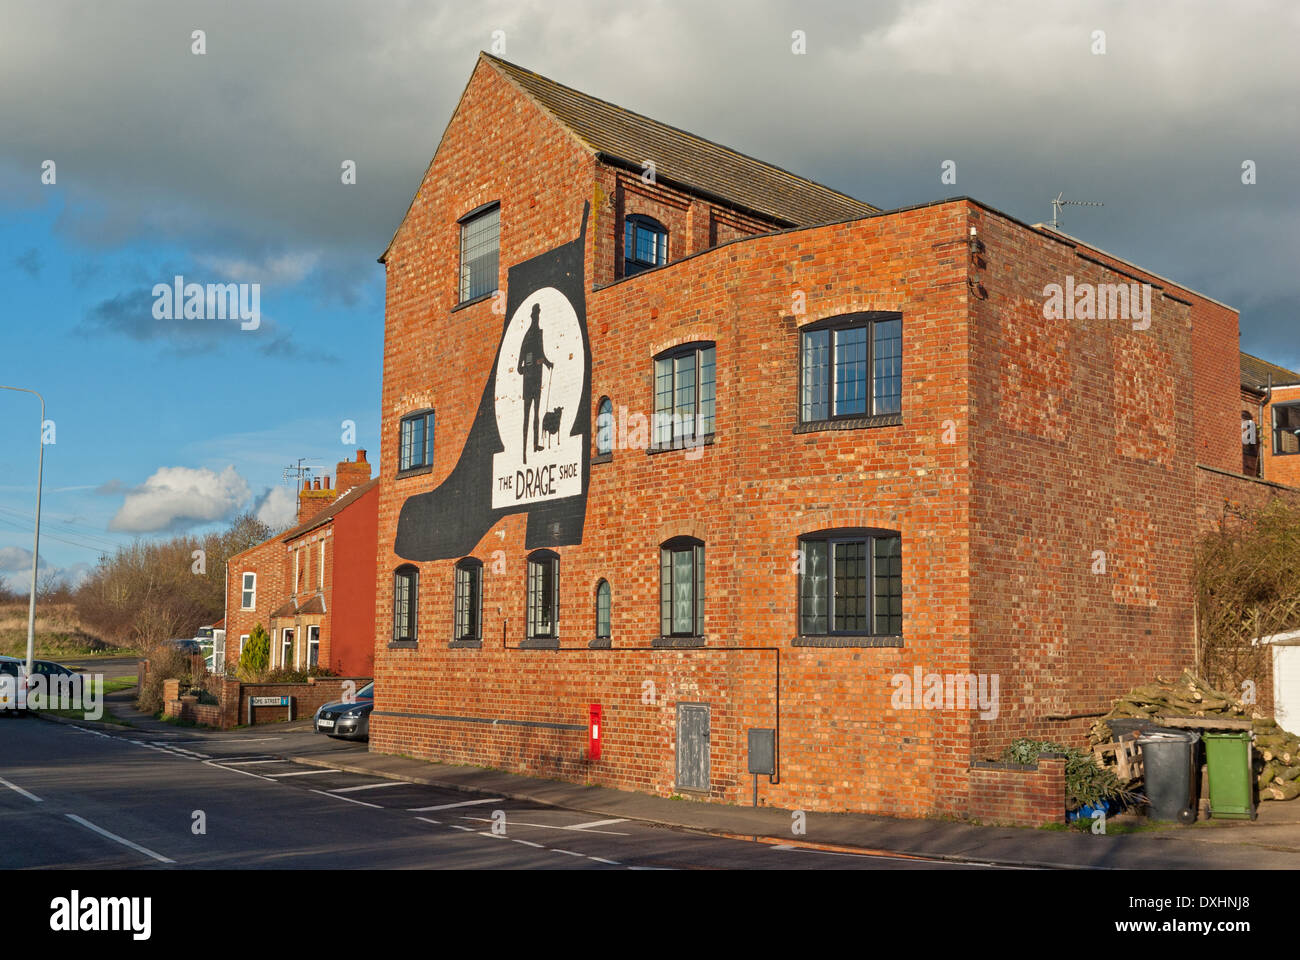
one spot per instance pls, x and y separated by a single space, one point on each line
531 357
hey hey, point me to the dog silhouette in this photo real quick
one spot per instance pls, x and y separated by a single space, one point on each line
551 425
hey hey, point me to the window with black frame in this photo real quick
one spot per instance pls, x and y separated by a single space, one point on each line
480 241
1286 429
603 610
645 244
851 584
406 581
681 588
415 447
543 595
685 396
851 366
469 599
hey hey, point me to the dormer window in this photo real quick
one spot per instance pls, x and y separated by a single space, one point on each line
645 244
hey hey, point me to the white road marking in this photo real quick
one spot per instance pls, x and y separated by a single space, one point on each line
569 852
427 820
528 843
612 863
551 826
370 786
249 763
17 789
122 840
325 793
452 806
300 773
596 823
247 773
456 826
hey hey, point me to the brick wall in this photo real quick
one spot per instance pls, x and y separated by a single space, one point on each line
270 561
1022 796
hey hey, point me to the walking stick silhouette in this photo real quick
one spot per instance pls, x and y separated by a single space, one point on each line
547 408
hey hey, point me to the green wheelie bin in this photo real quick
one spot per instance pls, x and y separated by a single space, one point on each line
1227 761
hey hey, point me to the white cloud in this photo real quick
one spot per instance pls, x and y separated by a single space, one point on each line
278 508
176 497
15 558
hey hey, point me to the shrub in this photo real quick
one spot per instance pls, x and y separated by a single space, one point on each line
166 662
286 675
256 656
1086 782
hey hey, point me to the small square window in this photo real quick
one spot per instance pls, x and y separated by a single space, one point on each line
1286 429
851 366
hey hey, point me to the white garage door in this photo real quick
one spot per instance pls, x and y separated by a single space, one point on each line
1286 685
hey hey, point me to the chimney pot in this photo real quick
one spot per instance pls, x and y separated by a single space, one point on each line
316 484
361 456
327 482
306 484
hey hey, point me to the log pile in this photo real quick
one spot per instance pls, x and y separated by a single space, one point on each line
1277 752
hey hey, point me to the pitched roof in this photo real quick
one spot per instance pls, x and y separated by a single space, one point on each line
1255 373
290 608
342 503
683 158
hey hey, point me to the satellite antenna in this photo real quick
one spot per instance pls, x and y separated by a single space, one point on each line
1058 203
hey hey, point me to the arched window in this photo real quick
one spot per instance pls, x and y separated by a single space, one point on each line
681 588
851 583
406 590
543 595
469 600
645 244
602 610
604 427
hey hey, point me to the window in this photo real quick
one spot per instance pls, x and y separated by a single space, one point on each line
469 599
851 366
852 584
320 568
243 642
297 580
645 244
685 381
313 647
604 427
406 581
543 594
249 598
416 446
480 240
602 610
681 588
1286 428
286 648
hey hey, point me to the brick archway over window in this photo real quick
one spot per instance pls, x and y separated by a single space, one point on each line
683 528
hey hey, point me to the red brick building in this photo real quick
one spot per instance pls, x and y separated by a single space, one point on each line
720 449
312 588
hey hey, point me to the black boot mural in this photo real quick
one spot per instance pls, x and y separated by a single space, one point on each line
541 378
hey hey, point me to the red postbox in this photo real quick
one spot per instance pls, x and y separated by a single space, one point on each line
593 731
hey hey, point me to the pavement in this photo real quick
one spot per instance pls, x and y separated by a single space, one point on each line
1270 842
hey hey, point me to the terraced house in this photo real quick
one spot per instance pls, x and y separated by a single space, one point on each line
680 448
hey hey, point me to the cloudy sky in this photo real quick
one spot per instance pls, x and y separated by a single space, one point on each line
225 167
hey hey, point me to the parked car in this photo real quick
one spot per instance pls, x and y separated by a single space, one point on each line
347 720
52 669
12 696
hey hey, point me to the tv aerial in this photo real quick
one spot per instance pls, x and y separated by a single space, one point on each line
296 472
1060 202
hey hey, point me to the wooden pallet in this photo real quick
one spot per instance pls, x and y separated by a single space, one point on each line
1128 756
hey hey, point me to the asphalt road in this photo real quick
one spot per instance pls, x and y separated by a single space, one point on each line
77 798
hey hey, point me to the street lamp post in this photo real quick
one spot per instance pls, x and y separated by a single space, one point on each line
36 537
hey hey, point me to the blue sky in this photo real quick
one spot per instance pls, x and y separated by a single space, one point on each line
225 167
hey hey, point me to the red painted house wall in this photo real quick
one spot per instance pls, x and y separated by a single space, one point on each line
352 603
